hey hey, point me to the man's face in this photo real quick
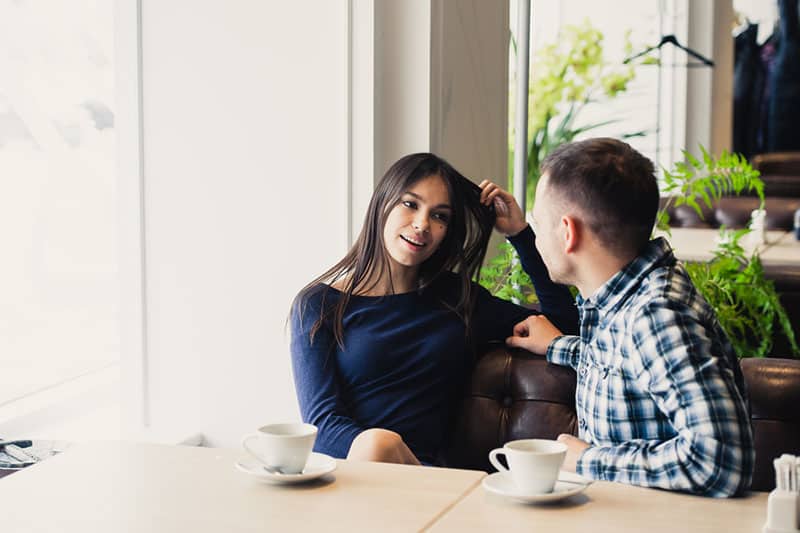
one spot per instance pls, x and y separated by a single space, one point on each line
547 216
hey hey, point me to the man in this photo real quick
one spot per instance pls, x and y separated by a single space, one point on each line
660 397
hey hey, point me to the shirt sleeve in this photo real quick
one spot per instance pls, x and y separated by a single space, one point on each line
565 351
713 452
316 382
556 301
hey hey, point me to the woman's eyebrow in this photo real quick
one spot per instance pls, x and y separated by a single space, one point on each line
418 197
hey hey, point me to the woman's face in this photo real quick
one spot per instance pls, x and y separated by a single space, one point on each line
417 225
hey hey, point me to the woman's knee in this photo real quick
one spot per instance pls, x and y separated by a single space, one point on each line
376 445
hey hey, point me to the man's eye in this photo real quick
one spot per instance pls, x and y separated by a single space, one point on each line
410 204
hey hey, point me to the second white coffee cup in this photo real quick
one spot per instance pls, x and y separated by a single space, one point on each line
283 447
533 463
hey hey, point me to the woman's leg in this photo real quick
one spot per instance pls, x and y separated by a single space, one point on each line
383 446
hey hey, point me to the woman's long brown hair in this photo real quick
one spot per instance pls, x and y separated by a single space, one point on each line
461 251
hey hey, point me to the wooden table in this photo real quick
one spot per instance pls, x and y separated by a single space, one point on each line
785 251
695 244
126 487
608 507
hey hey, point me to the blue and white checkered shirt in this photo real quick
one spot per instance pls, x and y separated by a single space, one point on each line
660 396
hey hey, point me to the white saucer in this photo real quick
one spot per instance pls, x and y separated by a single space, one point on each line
568 484
318 465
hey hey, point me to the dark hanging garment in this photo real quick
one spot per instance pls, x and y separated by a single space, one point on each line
784 105
748 88
763 90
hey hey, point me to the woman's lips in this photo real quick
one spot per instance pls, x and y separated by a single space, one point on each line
413 243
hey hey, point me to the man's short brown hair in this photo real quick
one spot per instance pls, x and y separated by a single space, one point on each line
613 185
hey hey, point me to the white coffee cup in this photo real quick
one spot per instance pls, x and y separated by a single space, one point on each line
283 447
533 463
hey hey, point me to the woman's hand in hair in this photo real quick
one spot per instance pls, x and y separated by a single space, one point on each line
510 218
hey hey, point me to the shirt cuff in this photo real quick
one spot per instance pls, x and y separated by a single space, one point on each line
520 238
590 463
563 351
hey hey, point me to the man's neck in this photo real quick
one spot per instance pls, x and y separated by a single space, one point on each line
596 268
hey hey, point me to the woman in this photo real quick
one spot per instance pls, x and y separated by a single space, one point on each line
383 341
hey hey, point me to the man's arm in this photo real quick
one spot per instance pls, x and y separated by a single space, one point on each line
565 351
713 451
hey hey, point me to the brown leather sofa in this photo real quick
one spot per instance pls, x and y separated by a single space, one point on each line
787 284
780 172
514 394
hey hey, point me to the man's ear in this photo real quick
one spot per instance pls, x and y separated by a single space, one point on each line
572 233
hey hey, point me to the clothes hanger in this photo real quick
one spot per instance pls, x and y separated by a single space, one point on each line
670 39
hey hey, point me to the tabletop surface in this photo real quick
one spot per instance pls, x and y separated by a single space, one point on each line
135 487
698 244
784 251
127 487
608 507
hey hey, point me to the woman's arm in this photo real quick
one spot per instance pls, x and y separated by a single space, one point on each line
316 382
556 301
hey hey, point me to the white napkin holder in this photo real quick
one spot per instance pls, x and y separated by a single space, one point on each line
783 504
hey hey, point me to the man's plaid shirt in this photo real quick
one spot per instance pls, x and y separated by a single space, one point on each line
660 396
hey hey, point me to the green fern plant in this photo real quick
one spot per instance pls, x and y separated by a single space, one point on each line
705 180
746 303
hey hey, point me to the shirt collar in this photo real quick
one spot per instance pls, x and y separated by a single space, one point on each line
612 292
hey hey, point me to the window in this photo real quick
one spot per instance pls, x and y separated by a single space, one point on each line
58 265
654 103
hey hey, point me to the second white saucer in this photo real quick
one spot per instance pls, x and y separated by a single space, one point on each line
568 484
318 465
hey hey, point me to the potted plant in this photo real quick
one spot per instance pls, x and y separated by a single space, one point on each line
746 303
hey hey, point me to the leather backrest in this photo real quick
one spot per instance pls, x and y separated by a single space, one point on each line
774 389
513 394
785 163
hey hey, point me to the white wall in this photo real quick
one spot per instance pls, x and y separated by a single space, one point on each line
244 122
441 83
469 86
709 92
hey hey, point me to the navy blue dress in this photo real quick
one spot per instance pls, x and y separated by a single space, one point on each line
406 356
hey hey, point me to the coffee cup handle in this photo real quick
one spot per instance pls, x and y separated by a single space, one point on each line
493 459
245 440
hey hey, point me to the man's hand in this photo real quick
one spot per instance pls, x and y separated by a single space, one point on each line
575 447
510 218
534 334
